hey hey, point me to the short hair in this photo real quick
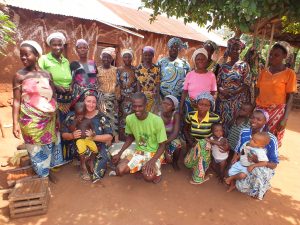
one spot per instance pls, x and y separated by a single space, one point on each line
34 51
279 46
139 95
79 107
265 136
216 125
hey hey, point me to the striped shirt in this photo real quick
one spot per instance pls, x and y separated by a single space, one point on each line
272 147
202 129
234 133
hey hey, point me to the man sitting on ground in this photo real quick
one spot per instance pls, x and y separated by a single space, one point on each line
148 131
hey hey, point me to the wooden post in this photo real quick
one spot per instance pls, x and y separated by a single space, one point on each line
271 42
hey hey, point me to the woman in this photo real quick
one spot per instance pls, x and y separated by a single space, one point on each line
148 75
257 182
171 120
107 88
173 69
197 81
103 134
233 81
197 127
127 83
276 86
34 107
84 71
210 47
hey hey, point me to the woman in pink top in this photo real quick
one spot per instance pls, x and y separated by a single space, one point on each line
197 81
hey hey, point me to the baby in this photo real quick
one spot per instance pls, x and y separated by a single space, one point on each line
86 147
220 148
240 169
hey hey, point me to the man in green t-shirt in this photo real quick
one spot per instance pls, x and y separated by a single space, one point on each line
148 131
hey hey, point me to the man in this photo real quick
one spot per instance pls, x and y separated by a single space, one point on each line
148 131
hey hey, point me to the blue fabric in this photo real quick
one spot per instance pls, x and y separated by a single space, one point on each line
237 168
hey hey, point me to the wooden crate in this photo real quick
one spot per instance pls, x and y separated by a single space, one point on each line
18 174
29 197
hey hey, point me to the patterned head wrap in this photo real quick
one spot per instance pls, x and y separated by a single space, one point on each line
234 41
284 45
35 45
212 44
110 51
127 51
149 49
57 35
265 113
177 41
174 100
197 52
206 95
81 41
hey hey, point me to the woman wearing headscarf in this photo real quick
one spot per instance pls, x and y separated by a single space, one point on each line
210 47
127 84
173 69
197 128
34 107
233 81
197 81
84 71
107 88
148 76
276 86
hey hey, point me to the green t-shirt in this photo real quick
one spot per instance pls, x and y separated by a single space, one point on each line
148 133
61 72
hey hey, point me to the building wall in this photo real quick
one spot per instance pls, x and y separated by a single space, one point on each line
37 26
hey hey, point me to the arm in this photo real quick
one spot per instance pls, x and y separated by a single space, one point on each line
16 106
259 164
288 108
129 139
149 167
176 128
188 137
182 100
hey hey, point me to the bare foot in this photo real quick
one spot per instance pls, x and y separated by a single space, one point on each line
227 180
231 188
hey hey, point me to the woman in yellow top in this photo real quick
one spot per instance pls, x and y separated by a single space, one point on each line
276 86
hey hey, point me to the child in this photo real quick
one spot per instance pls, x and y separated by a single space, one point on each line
220 148
86 147
241 122
240 169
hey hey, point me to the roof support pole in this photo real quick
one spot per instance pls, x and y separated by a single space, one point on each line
271 43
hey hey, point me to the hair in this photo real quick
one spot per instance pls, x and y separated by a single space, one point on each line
215 125
265 136
79 107
34 51
248 104
279 46
139 95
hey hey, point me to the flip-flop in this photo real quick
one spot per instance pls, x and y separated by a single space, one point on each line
157 179
198 183
85 177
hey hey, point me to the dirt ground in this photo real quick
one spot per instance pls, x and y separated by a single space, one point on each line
126 200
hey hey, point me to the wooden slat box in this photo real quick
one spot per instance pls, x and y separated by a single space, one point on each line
29 197
19 173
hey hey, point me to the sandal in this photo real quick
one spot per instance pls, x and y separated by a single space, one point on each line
85 176
197 183
157 179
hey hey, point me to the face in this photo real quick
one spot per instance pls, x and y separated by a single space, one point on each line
258 141
218 131
139 108
90 103
167 105
203 106
79 114
27 57
82 50
276 56
106 60
235 51
245 111
56 46
147 57
257 120
200 61
210 50
173 51
127 59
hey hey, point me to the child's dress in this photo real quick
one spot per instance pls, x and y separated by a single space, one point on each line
217 153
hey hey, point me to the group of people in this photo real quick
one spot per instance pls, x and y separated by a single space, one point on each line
77 110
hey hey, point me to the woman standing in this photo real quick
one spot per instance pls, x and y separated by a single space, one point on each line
148 75
107 88
127 83
197 127
233 81
84 72
34 107
276 86
210 47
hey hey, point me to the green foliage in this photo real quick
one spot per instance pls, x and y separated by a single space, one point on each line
238 15
7 29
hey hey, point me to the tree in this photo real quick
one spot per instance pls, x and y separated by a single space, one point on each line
7 29
239 15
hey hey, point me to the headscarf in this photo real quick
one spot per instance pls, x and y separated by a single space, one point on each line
110 51
57 35
265 113
177 41
34 44
233 41
212 44
174 100
149 49
197 52
127 51
81 41
206 95
285 45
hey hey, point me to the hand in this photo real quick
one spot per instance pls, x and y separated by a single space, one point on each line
252 158
17 131
250 168
76 134
281 126
116 158
89 133
60 89
149 168
234 159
